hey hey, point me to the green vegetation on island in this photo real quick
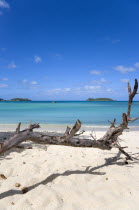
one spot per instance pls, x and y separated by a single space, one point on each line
20 99
99 99
16 99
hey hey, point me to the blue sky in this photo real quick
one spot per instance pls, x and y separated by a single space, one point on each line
68 49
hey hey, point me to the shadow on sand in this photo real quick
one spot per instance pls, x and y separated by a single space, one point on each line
89 170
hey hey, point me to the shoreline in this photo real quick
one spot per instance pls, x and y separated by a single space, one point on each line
61 127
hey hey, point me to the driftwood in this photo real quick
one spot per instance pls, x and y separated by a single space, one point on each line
70 137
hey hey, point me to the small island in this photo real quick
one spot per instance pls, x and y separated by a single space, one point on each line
16 99
100 99
20 99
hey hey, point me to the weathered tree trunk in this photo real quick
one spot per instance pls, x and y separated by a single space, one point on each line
107 142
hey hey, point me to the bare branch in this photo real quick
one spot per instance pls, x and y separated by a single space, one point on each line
93 137
107 142
131 96
78 134
129 89
125 153
133 119
18 128
33 126
112 123
74 130
67 132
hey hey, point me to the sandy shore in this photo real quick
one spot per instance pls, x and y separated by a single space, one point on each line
70 178
60 127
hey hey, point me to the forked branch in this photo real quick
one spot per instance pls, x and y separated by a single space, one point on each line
69 138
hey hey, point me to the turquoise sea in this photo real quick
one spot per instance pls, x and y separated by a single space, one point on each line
65 112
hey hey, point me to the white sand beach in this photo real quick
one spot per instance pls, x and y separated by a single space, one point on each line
69 70
68 178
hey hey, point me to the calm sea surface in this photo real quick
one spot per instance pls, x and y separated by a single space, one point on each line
90 113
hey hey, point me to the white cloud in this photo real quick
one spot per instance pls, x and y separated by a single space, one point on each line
37 59
67 89
99 81
4 4
95 72
91 87
5 79
24 81
123 69
78 92
136 65
125 80
33 83
12 65
86 88
109 90
57 90
3 85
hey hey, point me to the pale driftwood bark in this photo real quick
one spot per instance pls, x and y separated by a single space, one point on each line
43 138
107 142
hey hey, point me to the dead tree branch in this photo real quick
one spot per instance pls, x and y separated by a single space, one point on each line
69 138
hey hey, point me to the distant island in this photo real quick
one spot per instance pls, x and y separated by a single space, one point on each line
16 99
100 99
